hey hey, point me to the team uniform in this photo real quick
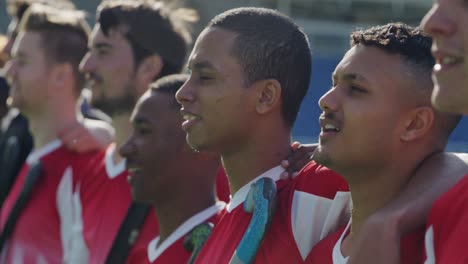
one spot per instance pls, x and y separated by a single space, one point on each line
48 229
74 211
446 236
107 204
113 207
328 250
222 186
115 201
172 249
309 207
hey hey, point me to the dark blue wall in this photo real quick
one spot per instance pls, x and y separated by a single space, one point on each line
307 128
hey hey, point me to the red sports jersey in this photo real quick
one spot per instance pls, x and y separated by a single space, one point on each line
75 209
107 201
309 207
222 186
47 231
328 250
446 235
172 250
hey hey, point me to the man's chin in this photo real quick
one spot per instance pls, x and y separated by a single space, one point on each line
322 157
114 107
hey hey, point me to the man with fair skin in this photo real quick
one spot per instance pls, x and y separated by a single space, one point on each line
366 104
446 226
132 44
90 134
45 84
16 141
242 102
182 196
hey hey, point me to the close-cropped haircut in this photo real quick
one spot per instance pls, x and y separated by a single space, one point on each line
151 27
64 35
269 45
170 84
411 43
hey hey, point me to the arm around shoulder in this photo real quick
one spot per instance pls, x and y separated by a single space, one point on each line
380 236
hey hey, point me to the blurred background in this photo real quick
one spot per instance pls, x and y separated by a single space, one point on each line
328 24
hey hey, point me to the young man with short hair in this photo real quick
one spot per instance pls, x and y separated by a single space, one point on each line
179 182
366 104
445 23
241 101
45 84
16 140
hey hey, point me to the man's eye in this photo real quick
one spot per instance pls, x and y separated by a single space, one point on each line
205 78
357 89
143 130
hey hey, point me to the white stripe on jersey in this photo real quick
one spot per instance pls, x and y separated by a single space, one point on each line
71 223
429 246
313 217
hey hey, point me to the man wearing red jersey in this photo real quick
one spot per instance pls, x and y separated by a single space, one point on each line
446 225
179 182
132 44
242 101
445 235
45 84
366 104
16 140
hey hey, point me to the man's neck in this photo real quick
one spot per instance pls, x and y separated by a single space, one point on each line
372 190
248 162
186 202
44 126
123 130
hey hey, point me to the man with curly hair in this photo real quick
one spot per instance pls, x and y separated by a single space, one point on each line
366 104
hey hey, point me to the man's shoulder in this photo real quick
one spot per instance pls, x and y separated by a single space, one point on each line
319 180
84 167
80 161
451 205
459 190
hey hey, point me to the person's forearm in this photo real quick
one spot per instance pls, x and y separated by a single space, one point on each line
438 174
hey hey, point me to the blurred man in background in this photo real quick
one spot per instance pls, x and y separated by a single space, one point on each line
41 217
132 44
16 141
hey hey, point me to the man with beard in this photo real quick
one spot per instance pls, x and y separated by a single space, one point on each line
132 44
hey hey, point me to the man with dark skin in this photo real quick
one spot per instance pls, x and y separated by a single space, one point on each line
179 182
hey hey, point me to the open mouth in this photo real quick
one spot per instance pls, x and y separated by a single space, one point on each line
450 60
446 61
189 120
330 128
